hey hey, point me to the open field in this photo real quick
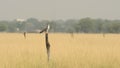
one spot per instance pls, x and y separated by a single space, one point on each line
79 51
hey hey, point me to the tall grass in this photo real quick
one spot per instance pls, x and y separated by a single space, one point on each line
80 51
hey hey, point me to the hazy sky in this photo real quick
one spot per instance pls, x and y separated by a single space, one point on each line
59 9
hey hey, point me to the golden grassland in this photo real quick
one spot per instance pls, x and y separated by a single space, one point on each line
67 51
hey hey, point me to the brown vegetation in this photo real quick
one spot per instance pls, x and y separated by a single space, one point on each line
82 51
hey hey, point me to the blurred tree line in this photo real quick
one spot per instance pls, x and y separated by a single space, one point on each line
85 25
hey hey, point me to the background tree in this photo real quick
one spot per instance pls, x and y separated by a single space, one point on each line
84 25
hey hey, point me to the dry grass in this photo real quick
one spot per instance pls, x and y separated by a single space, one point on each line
80 51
